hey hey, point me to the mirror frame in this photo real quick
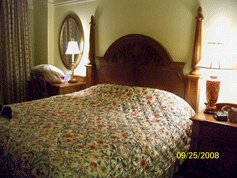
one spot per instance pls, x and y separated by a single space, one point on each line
80 41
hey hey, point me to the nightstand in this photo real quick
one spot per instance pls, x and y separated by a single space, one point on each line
41 89
209 137
65 88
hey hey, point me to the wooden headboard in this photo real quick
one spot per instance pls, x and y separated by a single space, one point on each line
139 60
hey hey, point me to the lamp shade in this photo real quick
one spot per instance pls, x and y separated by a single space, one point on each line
215 63
215 58
72 48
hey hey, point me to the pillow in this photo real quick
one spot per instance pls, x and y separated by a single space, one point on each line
50 72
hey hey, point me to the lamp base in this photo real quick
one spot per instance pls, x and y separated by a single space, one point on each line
73 80
212 93
210 109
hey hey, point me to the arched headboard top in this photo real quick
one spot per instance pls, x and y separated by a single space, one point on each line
138 49
139 60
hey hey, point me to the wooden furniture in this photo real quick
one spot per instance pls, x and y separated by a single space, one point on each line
139 60
193 91
193 79
64 88
210 136
38 86
42 89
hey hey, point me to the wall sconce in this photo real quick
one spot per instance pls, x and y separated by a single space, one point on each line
214 61
72 49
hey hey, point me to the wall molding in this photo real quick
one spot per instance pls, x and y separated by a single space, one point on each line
71 2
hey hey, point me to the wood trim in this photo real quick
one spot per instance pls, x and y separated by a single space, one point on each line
139 60
192 93
92 42
64 88
197 48
202 117
90 65
89 75
80 78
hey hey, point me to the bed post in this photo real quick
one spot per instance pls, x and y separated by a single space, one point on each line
193 79
90 66
197 50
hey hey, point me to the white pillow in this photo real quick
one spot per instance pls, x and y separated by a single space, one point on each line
51 73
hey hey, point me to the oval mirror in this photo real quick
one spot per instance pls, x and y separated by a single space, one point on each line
71 30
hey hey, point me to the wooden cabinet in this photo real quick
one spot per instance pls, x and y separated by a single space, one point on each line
209 135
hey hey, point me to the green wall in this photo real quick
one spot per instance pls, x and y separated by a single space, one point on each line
40 32
84 12
171 22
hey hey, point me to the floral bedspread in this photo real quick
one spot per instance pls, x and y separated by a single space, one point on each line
103 131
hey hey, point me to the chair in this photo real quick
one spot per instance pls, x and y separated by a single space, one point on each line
38 85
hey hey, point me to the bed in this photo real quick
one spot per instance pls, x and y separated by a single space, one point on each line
86 135
127 123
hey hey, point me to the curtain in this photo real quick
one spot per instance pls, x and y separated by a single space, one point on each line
15 51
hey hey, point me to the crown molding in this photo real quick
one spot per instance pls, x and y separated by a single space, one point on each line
71 2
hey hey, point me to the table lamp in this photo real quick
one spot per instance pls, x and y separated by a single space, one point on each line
214 60
72 49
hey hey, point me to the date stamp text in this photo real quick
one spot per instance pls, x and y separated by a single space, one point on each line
197 155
